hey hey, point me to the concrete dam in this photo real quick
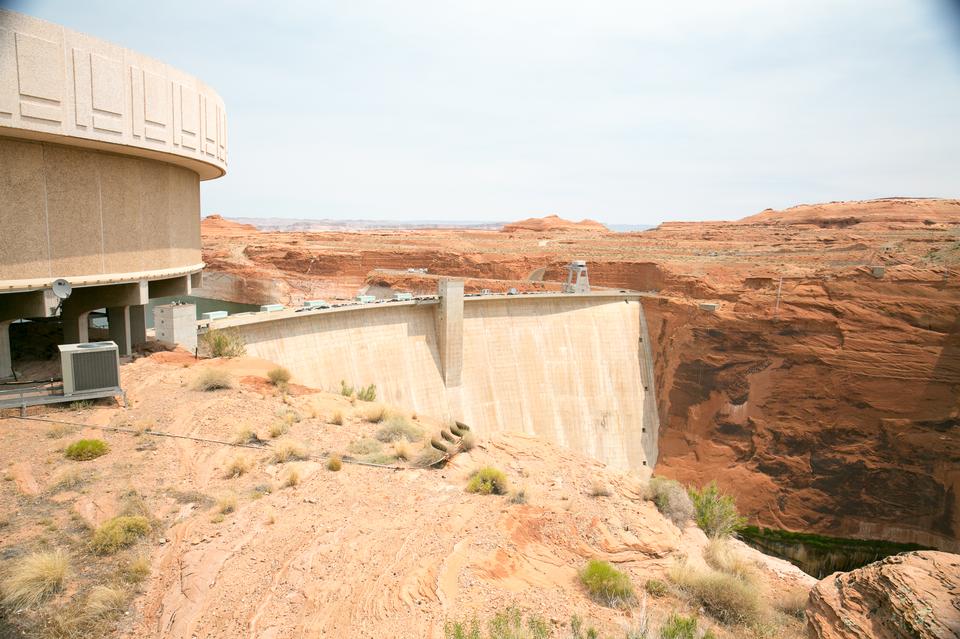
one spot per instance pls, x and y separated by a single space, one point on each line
575 369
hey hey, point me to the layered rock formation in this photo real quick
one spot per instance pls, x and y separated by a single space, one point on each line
824 390
911 596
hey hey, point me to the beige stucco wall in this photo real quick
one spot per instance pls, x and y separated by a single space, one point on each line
68 212
566 369
63 86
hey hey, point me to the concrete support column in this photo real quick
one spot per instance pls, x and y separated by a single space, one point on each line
450 330
6 359
118 320
76 327
138 324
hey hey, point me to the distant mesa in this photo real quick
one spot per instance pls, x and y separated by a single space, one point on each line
213 224
893 210
554 223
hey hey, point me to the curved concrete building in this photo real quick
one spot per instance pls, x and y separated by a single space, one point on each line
102 153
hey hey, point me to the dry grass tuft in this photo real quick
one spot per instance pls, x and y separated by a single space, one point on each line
730 599
211 379
468 440
599 488
671 499
238 466
279 376
334 463
105 602
245 435
118 533
34 578
68 479
60 430
403 450
428 456
375 414
337 418
226 503
720 554
222 343
518 496
279 428
793 602
365 446
397 427
137 569
292 479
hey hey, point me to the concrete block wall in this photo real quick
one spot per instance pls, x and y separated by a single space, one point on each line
176 324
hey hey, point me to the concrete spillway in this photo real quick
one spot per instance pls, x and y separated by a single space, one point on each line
573 369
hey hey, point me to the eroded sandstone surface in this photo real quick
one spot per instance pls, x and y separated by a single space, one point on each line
824 389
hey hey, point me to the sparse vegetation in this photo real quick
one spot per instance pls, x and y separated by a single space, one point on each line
793 602
279 376
81 404
237 466
86 449
403 450
278 428
226 503
599 488
334 463
720 554
105 602
223 343
285 450
337 418
428 456
656 588
60 430
292 479
245 435
468 440
671 499
375 414
397 427
716 512
518 496
607 585
364 446
507 624
68 479
118 533
679 627
211 379
136 570
383 459
487 481
729 599
368 394
345 389
34 578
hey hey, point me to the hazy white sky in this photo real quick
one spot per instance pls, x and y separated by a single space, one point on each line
627 111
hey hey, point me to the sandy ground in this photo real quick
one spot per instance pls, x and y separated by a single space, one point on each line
363 552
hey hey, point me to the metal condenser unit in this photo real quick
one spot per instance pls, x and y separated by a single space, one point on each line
88 368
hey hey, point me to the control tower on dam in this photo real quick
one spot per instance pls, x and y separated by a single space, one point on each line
102 151
575 369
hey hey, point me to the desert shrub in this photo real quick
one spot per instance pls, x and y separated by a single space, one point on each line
292 479
337 418
285 450
381 458
607 585
334 463
679 627
367 394
136 570
226 503
728 598
793 602
118 533
34 578
223 343
468 440
278 428
672 500
428 456
507 624
60 430
237 466
345 389
278 376
518 496
397 427
245 435
364 446
105 602
599 488
86 449
655 588
716 512
211 379
721 555
487 481
68 479
403 450
375 414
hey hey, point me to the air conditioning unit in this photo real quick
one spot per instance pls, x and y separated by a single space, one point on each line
90 368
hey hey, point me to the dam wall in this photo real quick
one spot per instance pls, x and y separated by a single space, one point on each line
572 369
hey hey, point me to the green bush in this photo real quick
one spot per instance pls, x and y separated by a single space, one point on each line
223 343
671 499
507 624
396 428
679 627
487 481
345 390
118 533
86 449
278 376
716 512
367 394
606 584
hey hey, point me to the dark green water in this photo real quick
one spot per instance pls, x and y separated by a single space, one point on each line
203 304
818 555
